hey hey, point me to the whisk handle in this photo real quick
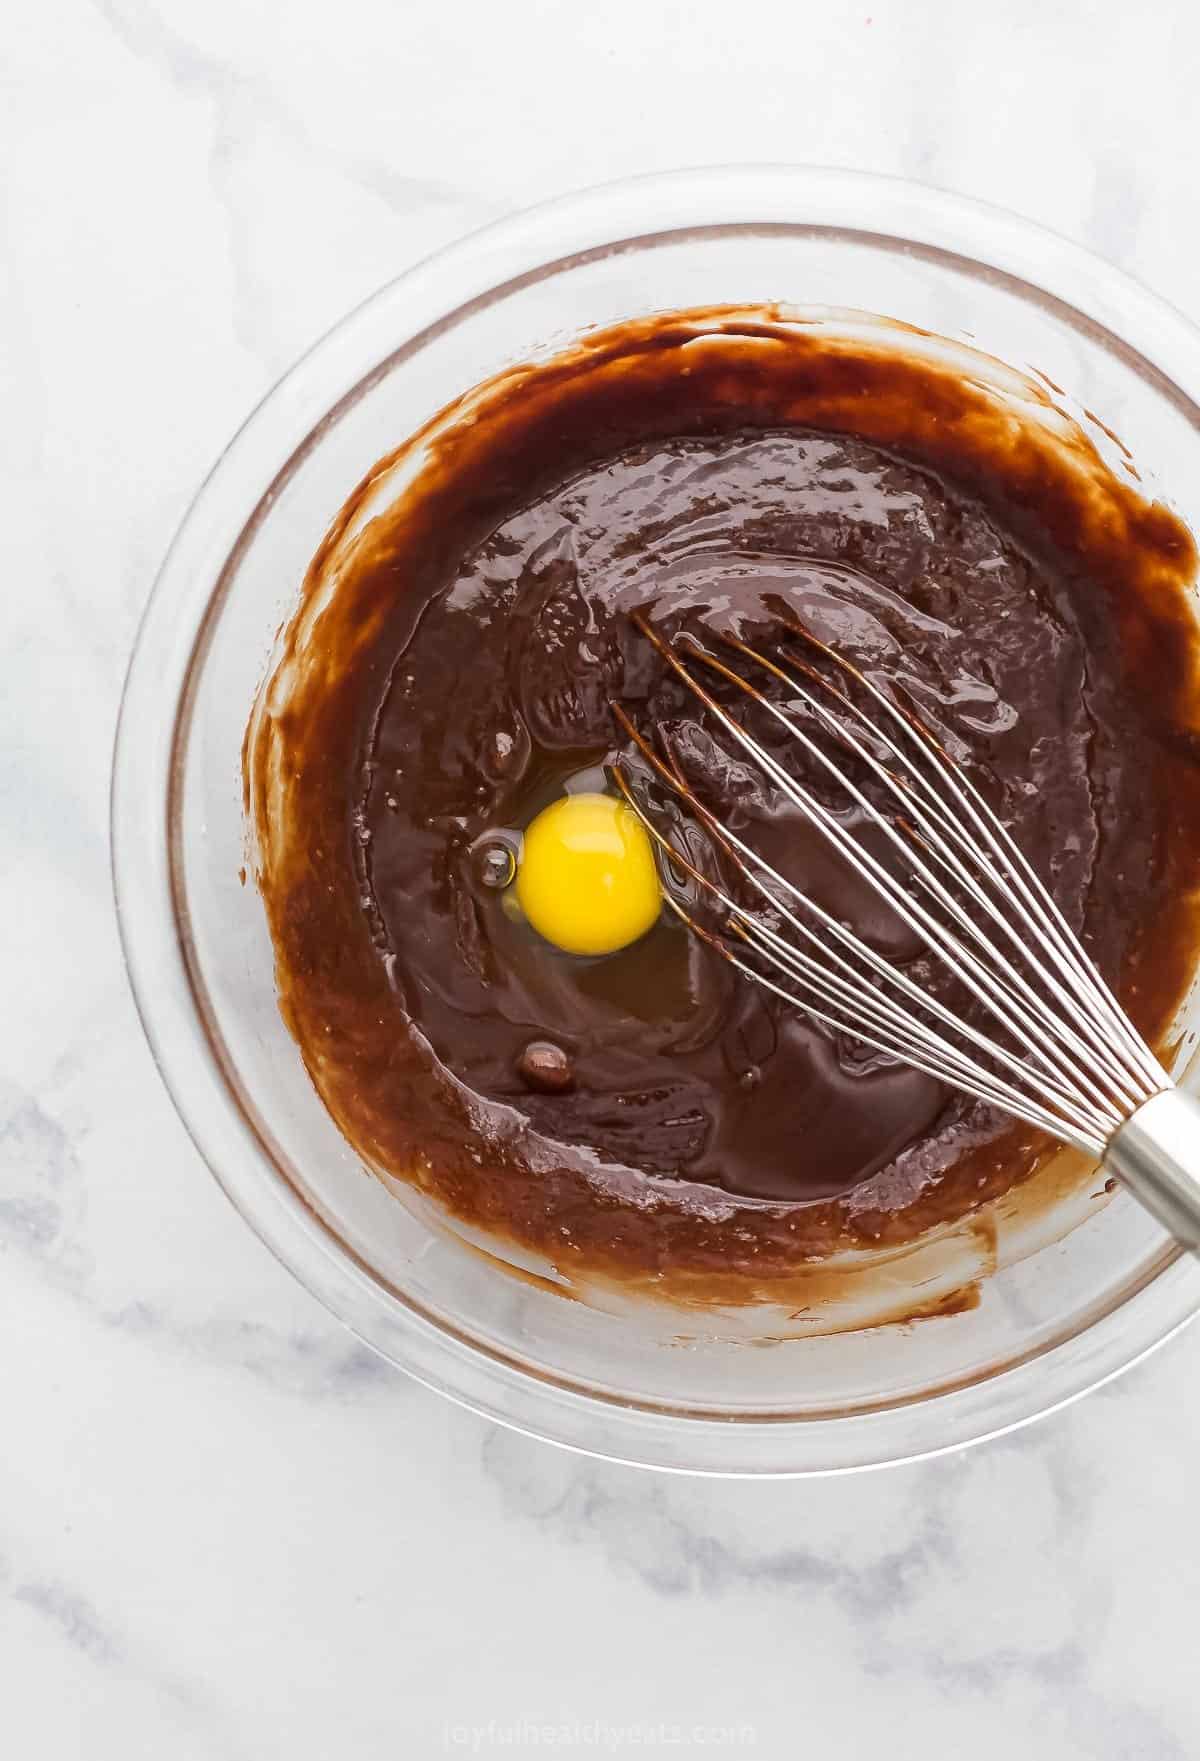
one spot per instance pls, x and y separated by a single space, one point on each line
1156 1154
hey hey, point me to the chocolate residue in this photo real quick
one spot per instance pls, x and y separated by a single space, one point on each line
449 672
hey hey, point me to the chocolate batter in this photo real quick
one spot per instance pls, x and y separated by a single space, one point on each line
649 1109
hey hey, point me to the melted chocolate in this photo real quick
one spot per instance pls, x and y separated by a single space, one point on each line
650 1108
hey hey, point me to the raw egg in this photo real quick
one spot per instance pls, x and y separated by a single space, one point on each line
587 879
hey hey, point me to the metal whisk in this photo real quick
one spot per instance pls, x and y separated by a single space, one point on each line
1056 1049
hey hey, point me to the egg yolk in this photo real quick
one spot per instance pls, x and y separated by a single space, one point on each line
587 879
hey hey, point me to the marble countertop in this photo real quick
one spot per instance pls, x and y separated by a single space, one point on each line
225 1531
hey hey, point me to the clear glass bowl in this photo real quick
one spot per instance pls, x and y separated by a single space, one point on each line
1076 1288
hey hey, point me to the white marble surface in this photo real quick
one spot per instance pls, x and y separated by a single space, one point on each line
224 1530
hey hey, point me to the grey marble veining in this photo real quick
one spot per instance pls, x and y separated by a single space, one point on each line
225 1529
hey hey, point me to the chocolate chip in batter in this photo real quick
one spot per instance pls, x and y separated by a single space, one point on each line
546 1068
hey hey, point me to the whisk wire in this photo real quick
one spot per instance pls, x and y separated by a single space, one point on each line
1075 1067
964 1074
1120 1080
910 1036
1051 926
988 985
856 1016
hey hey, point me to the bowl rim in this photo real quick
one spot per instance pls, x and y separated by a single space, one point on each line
290 420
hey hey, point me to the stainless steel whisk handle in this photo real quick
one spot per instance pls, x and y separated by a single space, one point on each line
1156 1154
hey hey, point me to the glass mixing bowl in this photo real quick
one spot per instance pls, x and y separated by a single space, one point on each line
1070 1290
